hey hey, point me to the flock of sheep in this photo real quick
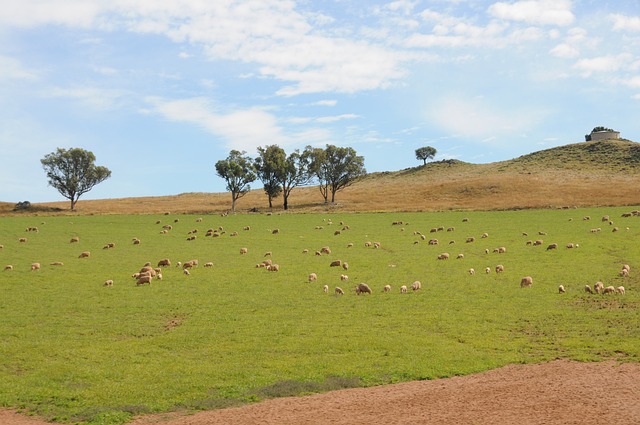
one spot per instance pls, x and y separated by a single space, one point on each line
149 272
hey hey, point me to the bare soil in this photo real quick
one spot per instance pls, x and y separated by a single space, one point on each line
558 392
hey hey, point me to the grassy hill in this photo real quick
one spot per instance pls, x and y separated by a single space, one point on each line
582 174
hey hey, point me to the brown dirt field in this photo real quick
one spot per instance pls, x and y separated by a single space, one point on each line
558 392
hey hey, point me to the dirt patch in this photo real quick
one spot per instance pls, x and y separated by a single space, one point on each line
559 392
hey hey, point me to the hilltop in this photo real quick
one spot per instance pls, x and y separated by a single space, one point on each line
605 172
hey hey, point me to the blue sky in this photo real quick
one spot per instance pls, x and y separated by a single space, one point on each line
161 90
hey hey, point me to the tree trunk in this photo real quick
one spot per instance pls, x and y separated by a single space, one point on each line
286 202
270 202
73 204
233 202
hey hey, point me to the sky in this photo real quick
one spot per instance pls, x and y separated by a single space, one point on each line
160 91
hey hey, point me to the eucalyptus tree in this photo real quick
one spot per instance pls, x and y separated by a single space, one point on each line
335 168
73 172
238 171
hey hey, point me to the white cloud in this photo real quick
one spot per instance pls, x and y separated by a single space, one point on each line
326 102
334 118
477 119
625 23
603 64
243 129
93 97
565 51
31 13
536 12
12 69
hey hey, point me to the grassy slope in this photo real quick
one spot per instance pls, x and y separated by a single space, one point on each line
581 174
76 351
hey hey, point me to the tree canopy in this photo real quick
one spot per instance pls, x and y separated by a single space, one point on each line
270 165
425 153
238 171
73 172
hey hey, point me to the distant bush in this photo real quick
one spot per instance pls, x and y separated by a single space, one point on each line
24 205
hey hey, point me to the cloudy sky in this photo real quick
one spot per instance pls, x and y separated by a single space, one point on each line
161 90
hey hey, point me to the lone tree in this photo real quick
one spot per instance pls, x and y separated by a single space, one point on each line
73 172
238 171
335 168
425 153
270 165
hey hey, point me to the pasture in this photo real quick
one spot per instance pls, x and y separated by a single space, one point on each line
74 350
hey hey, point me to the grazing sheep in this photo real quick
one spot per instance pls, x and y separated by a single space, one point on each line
57 263
159 276
305 251
403 289
35 266
526 281
502 250
387 288
188 265
588 289
318 253
192 238
499 268
470 239
336 263
8 267
85 254
22 240
416 285
325 250
451 229
586 217
275 231
344 277
273 267
552 246
605 218
487 270
484 235
108 282
143 279
443 256
609 290
367 244
336 233
377 245
179 264
472 271
538 242
432 241
626 267
74 239
246 228
620 290
460 257
542 233
243 250
165 262
561 289
363 288
339 291
313 277
570 246
267 254
486 251
624 273
529 243
345 265
350 245
598 287
208 264
465 220
186 272
325 289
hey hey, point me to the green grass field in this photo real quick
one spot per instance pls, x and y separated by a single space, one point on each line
74 350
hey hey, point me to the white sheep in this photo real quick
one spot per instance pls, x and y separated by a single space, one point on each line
85 254
108 282
325 289
472 271
416 285
499 268
144 279
165 262
35 266
313 277
387 288
460 257
443 256
598 287
208 264
244 250
345 266
8 267
336 263
403 289
588 289
57 263
609 290
273 267
186 272
561 289
526 281
487 270
363 288
344 277
339 291
620 290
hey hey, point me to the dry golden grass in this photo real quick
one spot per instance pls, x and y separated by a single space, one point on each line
583 174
